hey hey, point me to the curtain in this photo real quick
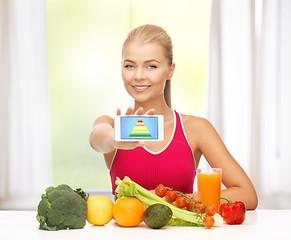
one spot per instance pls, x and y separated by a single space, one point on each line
249 89
24 119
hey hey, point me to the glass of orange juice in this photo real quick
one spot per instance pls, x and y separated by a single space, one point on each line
209 186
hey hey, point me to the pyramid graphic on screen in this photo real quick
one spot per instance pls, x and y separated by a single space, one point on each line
140 130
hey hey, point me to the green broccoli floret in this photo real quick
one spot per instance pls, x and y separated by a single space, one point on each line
61 208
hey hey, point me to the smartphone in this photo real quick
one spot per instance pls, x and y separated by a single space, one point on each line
139 128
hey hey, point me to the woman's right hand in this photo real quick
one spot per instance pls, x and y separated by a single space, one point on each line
131 144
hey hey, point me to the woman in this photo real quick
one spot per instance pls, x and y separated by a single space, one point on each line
147 69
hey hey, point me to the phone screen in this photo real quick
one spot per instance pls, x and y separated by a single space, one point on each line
139 127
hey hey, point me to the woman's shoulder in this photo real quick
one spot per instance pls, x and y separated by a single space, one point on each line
195 123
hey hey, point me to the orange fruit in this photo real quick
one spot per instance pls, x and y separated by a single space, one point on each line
99 210
128 212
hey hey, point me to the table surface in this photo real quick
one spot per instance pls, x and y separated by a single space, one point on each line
259 224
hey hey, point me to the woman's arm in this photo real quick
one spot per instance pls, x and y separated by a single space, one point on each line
102 135
237 183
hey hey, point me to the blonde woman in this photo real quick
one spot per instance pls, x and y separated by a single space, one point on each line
147 69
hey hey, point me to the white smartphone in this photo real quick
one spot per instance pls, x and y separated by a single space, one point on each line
139 128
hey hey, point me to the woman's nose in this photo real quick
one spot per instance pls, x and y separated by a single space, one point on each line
140 74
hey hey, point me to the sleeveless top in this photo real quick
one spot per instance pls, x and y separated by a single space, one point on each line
173 166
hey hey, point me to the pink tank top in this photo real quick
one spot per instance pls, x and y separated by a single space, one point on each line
173 166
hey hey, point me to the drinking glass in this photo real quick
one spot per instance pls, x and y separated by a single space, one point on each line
209 186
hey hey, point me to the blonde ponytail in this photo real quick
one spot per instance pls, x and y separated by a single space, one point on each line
167 93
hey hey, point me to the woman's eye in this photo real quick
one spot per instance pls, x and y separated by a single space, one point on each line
129 66
152 66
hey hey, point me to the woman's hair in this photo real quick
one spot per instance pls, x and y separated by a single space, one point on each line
152 33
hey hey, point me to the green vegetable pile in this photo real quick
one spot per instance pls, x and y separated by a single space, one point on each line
61 208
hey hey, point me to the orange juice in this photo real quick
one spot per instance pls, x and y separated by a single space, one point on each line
209 186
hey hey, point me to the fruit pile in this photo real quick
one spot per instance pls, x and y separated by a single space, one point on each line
130 211
166 206
127 212
134 205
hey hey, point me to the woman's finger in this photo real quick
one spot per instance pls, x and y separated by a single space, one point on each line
150 112
139 111
129 111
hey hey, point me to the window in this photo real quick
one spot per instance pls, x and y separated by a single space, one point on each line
84 40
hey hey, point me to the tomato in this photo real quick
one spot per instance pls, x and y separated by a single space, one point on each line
160 191
190 205
201 207
171 196
210 210
208 221
181 202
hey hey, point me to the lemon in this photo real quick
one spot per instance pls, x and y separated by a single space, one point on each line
99 210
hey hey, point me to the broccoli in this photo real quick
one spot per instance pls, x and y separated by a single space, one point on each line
61 208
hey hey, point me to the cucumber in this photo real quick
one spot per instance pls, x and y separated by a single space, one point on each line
157 215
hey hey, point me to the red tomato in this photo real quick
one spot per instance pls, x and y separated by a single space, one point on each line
190 205
181 202
208 221
210 210
201 207
171 196
160 191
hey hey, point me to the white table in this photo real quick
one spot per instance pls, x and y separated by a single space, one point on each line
259 224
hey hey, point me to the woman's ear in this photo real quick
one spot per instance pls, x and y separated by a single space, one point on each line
171 71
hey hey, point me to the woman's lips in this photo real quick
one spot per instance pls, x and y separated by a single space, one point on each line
140 88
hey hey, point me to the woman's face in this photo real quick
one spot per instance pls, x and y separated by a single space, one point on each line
145 70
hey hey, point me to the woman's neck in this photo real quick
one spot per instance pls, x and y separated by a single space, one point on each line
160 107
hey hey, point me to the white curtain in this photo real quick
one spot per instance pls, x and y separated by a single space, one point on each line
250 90
24 119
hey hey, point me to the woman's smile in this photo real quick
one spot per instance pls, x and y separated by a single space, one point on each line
140 88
